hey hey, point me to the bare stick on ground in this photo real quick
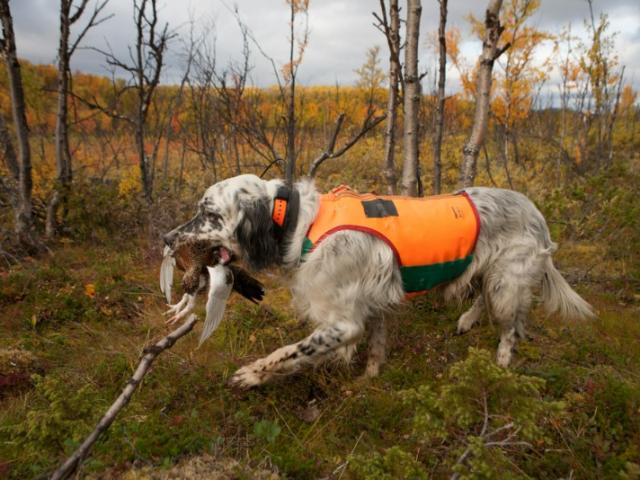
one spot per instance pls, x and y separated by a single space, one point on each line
150 354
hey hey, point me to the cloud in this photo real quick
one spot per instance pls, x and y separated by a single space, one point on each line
341 32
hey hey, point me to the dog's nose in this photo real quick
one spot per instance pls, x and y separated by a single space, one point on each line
170 238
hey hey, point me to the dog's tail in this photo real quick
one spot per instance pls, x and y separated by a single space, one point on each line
558 296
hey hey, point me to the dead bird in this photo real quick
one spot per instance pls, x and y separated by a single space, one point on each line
193 258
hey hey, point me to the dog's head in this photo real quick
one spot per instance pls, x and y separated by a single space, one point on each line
234 219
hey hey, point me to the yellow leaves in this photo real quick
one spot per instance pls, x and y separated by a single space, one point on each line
129 181
90 290
628 98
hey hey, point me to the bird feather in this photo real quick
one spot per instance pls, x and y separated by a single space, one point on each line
166 273
220 286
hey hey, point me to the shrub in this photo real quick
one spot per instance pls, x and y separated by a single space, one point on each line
484 413
395 463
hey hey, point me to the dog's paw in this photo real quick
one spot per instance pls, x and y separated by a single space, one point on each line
503 358
466 322
247 377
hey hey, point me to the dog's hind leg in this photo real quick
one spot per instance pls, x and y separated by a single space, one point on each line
377 346
504 305
316 348
507 287
469 318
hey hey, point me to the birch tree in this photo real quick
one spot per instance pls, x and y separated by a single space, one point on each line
66 49
410 167
24 226
490 53
439 114
389 25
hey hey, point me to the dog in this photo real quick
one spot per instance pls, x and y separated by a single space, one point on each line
347 283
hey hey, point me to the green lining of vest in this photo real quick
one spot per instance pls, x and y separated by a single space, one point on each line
307 246
425 277
421 277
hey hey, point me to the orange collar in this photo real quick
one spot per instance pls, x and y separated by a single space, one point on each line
279 211
285 211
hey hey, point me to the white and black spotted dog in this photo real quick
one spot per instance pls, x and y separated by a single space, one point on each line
347 283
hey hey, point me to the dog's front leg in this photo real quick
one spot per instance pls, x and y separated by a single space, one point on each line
316 348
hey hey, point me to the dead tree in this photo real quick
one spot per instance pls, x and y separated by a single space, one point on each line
390 27
410 166
490 53
439 118
290 74
144 68
66 49
24 208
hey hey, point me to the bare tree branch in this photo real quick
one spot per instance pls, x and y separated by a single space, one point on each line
369 123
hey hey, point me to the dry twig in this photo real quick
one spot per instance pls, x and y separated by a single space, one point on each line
369 123
150 354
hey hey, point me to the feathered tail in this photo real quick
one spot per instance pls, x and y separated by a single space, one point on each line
558 296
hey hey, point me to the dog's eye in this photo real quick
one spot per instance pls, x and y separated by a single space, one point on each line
213 218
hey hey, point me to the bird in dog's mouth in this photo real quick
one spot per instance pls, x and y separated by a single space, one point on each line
204 264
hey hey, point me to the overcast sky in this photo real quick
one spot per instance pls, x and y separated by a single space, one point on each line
341 31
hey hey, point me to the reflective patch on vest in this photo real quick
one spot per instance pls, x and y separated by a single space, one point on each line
379 208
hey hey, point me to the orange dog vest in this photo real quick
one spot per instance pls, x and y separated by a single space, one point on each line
433 238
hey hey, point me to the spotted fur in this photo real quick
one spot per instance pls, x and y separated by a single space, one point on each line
352 279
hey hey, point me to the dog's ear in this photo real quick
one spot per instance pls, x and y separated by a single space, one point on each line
255 234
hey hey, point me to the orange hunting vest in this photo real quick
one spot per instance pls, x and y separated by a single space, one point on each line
433 238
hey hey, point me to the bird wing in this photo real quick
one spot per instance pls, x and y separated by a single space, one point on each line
220 286
166 273
247 286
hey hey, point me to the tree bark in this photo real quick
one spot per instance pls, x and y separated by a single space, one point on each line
24 214
291 107
393 40
63 157
439 120
490 53
66 48
8 151
410 167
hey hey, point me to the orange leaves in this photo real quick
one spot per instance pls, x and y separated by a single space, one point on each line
452 37
90 290
299 6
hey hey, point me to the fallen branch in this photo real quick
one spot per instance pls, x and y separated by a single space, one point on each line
150 354
369 123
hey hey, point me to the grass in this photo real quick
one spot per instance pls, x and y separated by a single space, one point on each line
72 328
